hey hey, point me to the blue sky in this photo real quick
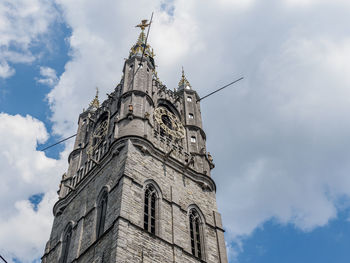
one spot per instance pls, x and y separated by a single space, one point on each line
276 243
279 139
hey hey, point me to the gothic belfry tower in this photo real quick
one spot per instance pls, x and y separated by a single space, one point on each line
138 187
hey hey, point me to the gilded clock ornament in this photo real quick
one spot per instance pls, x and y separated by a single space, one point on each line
169 123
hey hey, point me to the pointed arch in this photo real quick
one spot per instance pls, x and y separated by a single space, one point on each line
156 186
152 197
102 202
196 227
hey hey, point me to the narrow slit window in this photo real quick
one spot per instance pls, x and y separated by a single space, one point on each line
193 139
189 98
195 234
190 116
150 212
101 214
66 244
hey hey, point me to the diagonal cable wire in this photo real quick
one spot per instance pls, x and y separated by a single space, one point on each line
3 259
211 93
58 142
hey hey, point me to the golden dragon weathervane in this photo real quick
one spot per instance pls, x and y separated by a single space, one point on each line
143 24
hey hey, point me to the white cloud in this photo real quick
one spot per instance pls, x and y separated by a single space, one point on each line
236 4
312 3
287 134
25 232
5 70
25 172
49 76
22 23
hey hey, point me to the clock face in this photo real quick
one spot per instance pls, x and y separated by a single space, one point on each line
98 136
169 123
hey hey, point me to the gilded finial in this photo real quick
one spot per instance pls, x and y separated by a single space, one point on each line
143 24
141 47
95 102
184 82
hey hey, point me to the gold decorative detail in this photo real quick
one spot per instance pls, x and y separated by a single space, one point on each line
143 24
184 82
141 42
95 102
169 123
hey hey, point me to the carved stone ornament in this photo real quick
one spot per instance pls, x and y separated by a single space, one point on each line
211 163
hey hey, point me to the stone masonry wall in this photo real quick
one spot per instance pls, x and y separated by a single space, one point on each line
177 194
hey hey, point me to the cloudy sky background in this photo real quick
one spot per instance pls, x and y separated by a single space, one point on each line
279 138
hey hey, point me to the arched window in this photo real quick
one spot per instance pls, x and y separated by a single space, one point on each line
101 214
66 243
150 209
196 233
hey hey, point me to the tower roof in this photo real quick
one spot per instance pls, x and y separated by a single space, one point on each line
137 49
184 83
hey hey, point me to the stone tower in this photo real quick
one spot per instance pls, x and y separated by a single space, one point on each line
138 186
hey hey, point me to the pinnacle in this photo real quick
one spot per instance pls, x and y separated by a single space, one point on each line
184 83
95 103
